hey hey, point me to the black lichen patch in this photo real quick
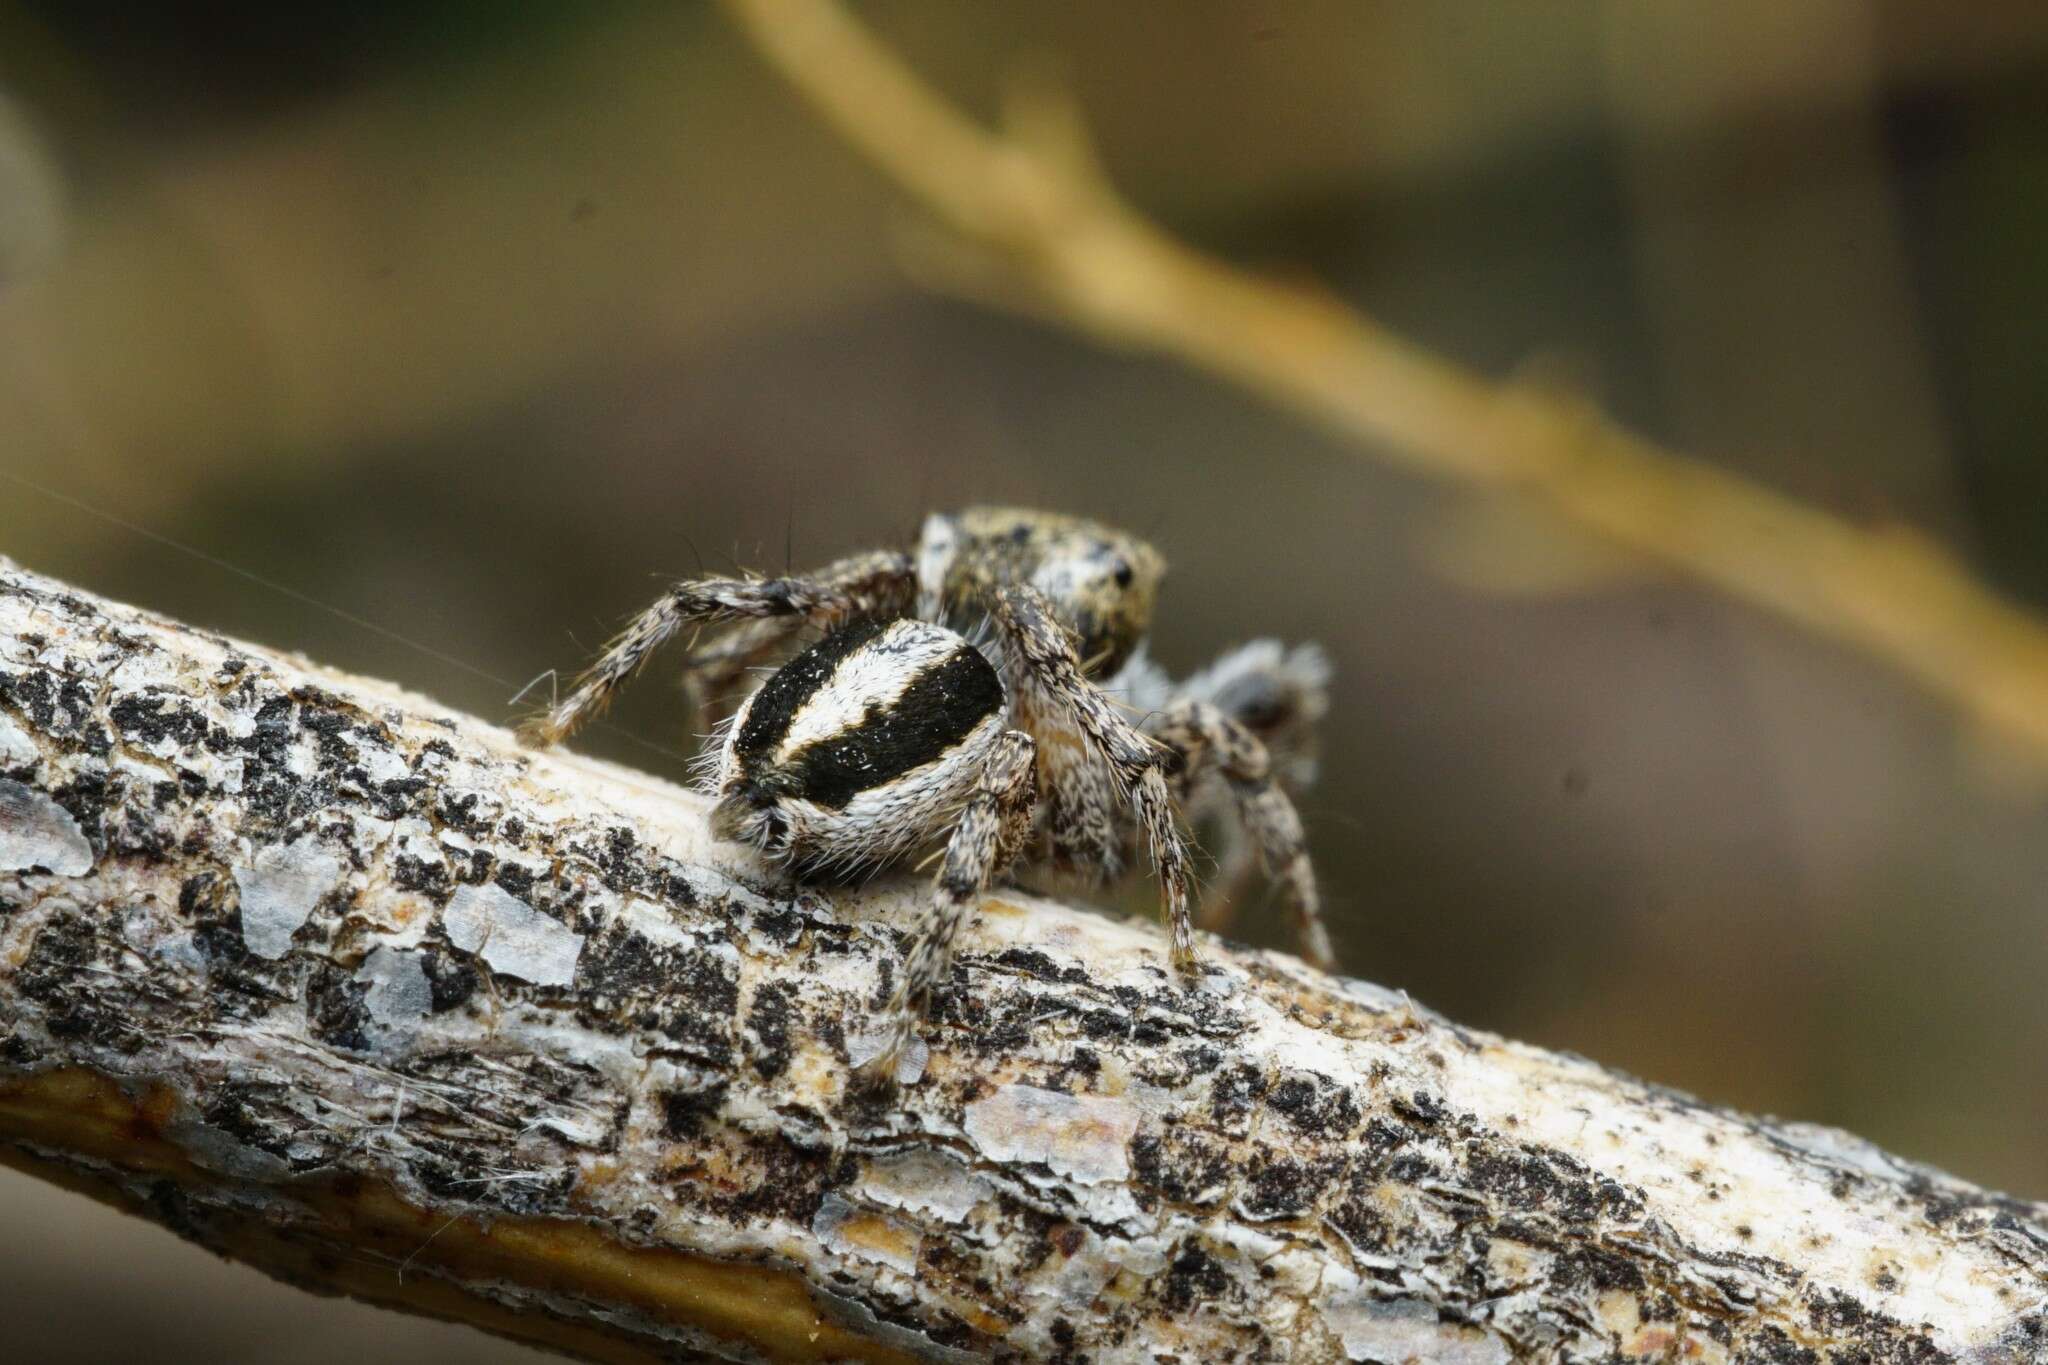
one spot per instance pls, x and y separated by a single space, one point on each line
989 1022
1281 1187
1154 1019
470 866
57 975
426 876
777 924
1314 1106
689 995
1597 1269
137 829
450 978
790 1181
1771 1346
675 890
1194 1277
516 880
685 1112
395 794
1106 1025
1234 1092
1178 1068
336 1010
1360 1219
1035 963
240 985
617 862
274 795
1529 1179
58 705
1183 1165
1877 1337
1413 1168
262 1116
1421 1107
465 813
1082 1066
768 1024
207 904
87 798
155 716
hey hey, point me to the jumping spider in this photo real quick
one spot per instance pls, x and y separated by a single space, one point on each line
1053 739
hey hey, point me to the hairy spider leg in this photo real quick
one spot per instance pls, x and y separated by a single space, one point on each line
1041 656
880 581
1211 741
994 827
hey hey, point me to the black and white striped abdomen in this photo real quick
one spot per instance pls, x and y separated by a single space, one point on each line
855 749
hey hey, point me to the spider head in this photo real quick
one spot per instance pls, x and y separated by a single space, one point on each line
1100 580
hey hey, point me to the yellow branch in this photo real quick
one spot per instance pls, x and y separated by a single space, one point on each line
1036 222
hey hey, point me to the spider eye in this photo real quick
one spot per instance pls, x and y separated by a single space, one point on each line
1123 573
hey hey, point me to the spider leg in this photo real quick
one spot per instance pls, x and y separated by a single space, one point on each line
873 582
993 829
1042 659
1279 694
1211 740
710 671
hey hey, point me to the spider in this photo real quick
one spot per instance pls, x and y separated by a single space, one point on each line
986 693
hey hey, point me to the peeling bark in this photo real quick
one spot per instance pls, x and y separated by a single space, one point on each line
325 977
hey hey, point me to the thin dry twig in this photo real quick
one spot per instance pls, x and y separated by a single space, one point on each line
1035 224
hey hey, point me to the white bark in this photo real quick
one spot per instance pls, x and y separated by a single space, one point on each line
324 976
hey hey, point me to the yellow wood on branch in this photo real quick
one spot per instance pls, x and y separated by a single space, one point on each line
1037 224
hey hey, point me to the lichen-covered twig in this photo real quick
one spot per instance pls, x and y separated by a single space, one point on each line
326 978
1034 224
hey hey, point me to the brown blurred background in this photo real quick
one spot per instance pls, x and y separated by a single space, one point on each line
473 319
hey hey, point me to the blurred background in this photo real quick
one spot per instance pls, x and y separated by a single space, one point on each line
476 319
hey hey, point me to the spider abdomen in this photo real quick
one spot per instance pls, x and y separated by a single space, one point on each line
861 747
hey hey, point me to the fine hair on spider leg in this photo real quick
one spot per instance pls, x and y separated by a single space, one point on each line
992 831
1040 650
865 583
1210 740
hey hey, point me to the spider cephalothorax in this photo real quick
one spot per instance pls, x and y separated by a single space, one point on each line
987 695
1101 581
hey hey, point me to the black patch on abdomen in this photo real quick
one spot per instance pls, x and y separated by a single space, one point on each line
793 684
938 710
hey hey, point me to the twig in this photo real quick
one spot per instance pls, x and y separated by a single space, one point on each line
244 899
1035 224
